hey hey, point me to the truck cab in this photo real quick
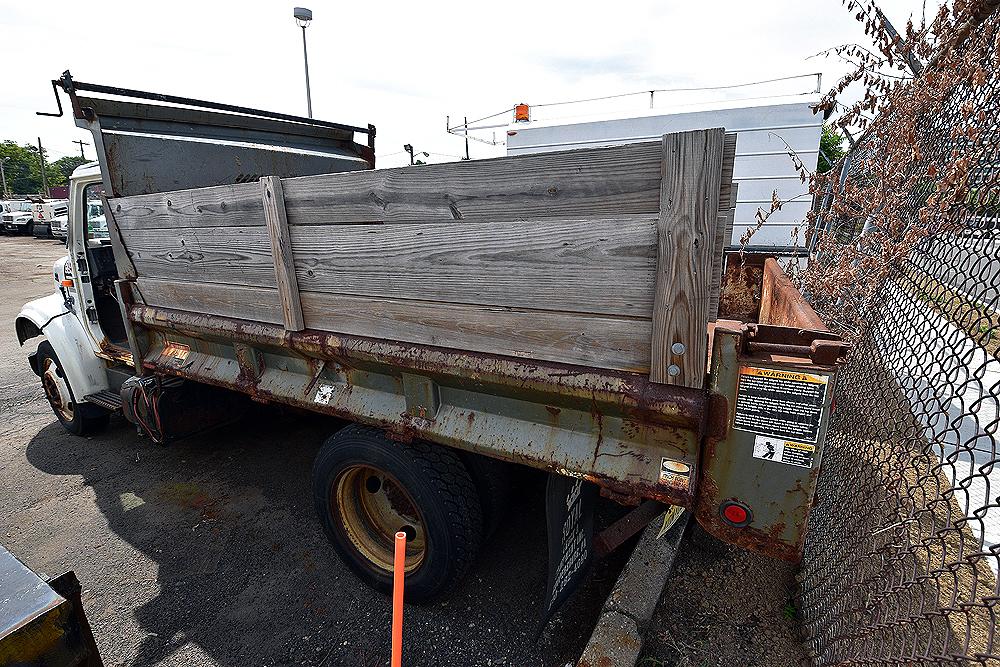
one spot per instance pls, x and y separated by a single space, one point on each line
85 352
17 216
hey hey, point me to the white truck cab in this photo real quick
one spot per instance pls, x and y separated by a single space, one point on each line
17 216
81 319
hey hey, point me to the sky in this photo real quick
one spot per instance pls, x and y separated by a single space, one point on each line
405 66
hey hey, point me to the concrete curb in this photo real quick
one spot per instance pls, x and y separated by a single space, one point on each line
617 637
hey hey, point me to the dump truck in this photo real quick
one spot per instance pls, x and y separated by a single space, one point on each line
572 312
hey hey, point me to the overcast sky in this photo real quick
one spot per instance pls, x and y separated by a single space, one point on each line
404 66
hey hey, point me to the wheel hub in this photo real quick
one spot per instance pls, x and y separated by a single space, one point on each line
57 390
372 506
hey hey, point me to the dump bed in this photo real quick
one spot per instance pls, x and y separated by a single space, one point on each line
548 258
554 310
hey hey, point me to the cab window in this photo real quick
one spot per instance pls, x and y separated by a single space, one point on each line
93 211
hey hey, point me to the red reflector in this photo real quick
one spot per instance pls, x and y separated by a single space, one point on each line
736 514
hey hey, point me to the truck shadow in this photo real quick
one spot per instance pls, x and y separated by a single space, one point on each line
243 571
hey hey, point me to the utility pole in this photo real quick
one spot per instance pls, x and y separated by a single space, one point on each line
82 144
41 159
466 137
3 177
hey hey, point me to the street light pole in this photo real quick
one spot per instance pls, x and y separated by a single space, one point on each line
303 17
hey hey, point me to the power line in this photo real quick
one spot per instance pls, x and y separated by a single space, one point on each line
651 92
680 90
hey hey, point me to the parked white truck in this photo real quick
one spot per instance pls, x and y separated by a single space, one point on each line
45 213
17 216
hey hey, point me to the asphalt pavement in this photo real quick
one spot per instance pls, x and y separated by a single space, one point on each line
207 551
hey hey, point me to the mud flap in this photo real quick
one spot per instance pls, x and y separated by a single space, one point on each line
569 515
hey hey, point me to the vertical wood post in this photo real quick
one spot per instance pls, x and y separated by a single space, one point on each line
281 251
689 206
723 223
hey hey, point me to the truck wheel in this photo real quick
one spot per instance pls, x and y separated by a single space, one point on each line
78 418
367 487
493 480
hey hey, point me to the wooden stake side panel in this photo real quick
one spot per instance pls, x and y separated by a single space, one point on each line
549 257
689 207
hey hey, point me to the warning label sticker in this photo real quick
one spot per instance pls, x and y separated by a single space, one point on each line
675 473
784 404
784 451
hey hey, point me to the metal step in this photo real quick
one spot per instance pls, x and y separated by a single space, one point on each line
107 399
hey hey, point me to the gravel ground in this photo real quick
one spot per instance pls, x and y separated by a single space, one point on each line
725 607
207 552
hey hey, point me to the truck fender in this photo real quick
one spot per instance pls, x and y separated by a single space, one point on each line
84 371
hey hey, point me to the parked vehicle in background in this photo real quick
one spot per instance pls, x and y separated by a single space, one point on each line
44 211
58 227
97 224
17 216
15 205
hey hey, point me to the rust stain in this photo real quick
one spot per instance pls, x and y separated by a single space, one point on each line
631 394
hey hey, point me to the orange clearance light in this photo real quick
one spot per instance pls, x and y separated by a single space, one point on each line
522 113
736 514
66 283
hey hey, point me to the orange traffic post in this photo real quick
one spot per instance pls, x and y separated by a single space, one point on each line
398 570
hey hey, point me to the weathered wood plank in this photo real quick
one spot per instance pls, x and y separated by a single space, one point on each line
621 180
592 266
689 205
126 268
281 252
723 227
589 340
599 341
234 255
217 206
245 303
598 266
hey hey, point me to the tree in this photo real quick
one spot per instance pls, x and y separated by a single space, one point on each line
831 149
67 164
23 171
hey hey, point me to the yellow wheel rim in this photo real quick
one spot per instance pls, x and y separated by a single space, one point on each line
372 506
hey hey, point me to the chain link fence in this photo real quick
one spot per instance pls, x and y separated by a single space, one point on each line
903 552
